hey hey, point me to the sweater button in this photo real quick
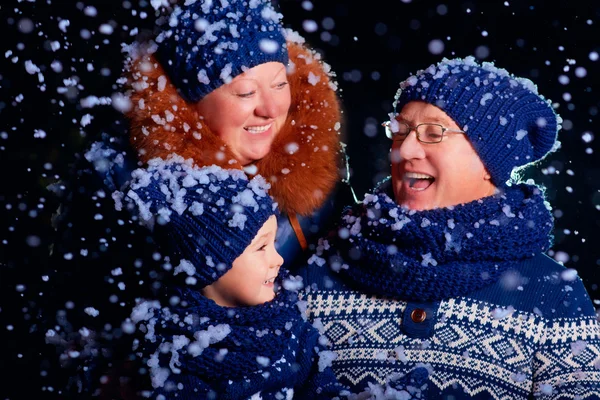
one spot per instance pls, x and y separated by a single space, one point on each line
418 315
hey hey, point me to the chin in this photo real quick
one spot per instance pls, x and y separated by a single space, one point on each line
269 296
264 300
258 154
416 205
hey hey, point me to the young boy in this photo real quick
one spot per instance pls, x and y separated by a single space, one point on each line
225 326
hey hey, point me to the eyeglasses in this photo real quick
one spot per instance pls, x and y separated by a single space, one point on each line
426 133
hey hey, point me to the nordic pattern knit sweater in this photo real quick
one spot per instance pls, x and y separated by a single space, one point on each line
531 334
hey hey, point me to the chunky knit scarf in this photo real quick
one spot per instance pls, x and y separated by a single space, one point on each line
234 352
386 249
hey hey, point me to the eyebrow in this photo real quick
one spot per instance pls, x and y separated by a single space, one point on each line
284 68
261 237
435 120
243 75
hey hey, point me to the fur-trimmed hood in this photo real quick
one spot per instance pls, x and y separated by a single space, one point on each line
301 176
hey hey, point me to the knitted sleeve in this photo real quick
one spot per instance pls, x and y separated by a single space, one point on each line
567 362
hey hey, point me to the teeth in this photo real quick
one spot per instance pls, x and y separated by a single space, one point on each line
415 175
257 129
270 280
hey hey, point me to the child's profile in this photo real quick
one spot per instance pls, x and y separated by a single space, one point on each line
223 325
251 279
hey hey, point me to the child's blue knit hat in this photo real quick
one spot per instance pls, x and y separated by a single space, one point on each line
508 123
203 217
209 42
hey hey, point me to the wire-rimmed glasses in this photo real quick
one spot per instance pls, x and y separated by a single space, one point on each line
429 133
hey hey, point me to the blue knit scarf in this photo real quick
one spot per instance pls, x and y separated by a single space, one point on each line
389 250
268 347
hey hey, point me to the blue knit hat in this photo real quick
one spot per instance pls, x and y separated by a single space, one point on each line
204 217
209 42
508 123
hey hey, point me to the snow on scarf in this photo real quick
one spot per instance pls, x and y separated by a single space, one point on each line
386 249
231 352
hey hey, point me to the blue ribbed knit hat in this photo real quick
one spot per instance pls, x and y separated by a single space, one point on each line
508 123
203 217
210 42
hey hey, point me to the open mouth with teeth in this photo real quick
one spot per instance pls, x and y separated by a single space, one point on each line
269 281
417 181
256 130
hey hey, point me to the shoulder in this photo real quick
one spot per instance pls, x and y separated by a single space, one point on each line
563 284
314 226
543 286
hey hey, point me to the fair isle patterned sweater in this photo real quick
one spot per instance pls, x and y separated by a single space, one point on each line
464 291
532 334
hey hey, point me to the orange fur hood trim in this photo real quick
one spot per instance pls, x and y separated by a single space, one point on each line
303 164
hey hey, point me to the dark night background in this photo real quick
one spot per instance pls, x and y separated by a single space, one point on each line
370 45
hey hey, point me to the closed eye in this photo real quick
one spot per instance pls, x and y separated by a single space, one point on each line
281 85
434 136
246 95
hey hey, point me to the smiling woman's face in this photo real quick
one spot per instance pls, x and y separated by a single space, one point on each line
249 112
427 176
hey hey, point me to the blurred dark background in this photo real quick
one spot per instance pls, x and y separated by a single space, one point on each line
58 58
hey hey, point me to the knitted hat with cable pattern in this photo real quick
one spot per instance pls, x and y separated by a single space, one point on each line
208 43
507 121
204 217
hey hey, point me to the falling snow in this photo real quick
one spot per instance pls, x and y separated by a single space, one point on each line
62 90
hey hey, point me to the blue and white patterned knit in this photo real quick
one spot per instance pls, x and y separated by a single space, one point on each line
530 333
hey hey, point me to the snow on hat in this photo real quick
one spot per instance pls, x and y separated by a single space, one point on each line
208 43
205 217
508 123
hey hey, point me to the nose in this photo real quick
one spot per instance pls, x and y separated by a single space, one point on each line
277 260
267 108
411 148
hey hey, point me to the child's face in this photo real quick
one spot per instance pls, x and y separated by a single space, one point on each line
249 282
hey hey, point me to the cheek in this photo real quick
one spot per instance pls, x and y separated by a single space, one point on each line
238 114
254 271
229 130
284 100
212 118
464 160
465 177
473 166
